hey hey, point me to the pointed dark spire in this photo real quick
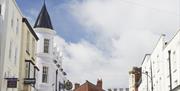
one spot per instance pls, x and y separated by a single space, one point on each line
43 20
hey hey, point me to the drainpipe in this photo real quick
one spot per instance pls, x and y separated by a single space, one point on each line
56 79
147 80
170 75
151 76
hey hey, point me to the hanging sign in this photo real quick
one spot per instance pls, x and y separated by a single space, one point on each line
29 81
68 85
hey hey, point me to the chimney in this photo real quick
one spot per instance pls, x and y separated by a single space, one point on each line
99 83
76 85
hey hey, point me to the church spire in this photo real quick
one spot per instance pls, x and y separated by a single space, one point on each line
43 20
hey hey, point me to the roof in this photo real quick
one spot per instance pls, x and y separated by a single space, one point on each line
43 20
30 28
90 87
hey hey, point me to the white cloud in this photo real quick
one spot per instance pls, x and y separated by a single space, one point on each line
125 30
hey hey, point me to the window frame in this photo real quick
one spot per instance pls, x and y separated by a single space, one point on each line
10 49
45 71
46 45
27 42
0 9
29 69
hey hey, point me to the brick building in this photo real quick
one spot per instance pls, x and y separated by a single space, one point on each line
134 79
88 86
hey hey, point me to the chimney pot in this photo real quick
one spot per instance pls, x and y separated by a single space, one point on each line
77 85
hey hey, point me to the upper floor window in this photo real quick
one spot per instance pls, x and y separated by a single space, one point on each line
12 21
45 74
15 56
0 9
27 41
33 47
17 25
10 49
46 45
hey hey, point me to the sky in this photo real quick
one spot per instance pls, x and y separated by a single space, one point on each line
106 38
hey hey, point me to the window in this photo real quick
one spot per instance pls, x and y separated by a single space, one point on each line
45 74
46 45
27 42
174 61
17 26
15 56
10 49
27 70
127 89
33 47
0 9
12 21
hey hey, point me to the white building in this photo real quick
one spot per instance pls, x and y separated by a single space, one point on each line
10 40
172 64
51 76
162 66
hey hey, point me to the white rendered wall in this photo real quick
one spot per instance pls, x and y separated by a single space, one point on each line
174 47
155 60
10 65
160 65
45 59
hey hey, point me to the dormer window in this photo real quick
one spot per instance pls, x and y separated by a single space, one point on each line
46 45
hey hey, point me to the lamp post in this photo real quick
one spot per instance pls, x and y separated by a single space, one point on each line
146 73
147 80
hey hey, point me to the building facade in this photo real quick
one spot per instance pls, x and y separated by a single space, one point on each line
134 78
162 66
51 76
27 65
29 62
88 86
10 44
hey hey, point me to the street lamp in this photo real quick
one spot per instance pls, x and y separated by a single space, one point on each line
146 73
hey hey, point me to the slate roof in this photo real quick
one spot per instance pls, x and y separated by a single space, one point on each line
43 20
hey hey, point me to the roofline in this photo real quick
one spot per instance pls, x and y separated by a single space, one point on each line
30 28
87 84
145 57
162 35
172 38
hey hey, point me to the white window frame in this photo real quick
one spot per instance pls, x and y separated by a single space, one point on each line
46 45
45 71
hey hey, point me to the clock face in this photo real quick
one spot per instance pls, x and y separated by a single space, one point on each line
68 85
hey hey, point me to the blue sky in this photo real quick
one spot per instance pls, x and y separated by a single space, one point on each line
105 38
63 22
